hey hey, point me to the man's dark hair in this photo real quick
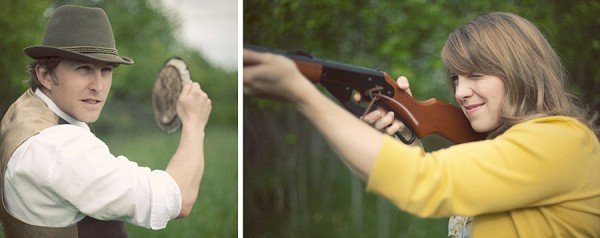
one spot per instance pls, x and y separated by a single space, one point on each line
48 63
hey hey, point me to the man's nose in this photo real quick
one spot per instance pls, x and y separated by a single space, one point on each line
97 81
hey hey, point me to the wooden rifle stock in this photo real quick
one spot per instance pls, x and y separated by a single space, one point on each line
423 118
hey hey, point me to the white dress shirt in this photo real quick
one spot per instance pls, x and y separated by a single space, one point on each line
62 174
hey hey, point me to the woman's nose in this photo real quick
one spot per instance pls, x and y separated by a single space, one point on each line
463 89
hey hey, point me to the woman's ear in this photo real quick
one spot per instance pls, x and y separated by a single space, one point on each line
44 77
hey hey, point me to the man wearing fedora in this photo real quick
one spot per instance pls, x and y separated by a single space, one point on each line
57 179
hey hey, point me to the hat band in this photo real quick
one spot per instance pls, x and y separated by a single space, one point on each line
90 50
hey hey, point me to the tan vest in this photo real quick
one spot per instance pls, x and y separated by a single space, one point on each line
26 117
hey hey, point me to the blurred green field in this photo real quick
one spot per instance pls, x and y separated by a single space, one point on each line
215 211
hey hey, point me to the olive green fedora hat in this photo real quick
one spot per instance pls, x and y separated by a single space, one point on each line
78 33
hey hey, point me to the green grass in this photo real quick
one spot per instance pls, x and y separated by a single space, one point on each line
215 211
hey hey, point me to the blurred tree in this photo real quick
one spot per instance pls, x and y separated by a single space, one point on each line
144 31
21 25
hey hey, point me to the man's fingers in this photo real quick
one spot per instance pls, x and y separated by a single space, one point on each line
186 82
189 89
187 86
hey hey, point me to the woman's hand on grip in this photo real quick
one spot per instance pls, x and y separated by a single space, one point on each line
384 120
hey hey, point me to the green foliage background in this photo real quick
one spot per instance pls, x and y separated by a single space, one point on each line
146 32
294 185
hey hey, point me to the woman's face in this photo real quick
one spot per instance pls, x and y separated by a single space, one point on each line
481 98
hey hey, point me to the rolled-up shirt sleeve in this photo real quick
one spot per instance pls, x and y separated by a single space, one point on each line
83 173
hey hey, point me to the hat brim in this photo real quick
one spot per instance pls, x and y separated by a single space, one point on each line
40 52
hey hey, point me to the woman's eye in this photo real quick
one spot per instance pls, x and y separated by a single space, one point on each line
454 80
475 76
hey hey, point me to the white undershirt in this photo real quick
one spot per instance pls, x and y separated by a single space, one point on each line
57 177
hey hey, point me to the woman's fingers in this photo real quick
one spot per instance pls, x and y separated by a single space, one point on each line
384 121
373 116
403 84
397 126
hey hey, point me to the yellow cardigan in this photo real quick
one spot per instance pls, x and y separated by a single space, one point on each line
541 178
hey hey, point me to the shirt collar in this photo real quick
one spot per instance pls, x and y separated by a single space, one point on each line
59 112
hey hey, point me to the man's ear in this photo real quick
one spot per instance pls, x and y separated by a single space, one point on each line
44 77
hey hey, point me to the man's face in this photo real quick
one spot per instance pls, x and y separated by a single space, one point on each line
80 88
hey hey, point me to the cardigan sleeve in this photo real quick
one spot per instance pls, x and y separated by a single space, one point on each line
534 163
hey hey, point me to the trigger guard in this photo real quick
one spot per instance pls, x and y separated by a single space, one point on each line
407 141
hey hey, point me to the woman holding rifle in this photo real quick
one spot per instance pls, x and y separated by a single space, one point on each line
536 175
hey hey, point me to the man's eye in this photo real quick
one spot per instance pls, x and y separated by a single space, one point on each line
84 68
107 69
454 77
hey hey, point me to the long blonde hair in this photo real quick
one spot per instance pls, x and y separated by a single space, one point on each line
510 47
